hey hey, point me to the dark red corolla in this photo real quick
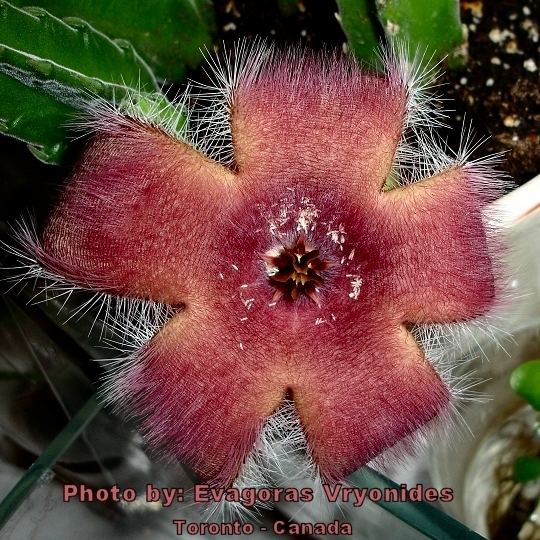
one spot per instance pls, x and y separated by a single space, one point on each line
294 273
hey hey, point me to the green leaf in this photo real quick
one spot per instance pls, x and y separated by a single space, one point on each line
34 117
72 44
157 107
48 67
360 24
526 468
525 381
432 26
168 34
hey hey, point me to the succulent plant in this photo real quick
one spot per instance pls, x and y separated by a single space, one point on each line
50 65
272 295
432 26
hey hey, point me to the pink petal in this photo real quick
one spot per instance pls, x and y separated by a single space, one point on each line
438 250
321 118
204 389
362 386
134 218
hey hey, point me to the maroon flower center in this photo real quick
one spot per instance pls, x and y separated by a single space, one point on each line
296 270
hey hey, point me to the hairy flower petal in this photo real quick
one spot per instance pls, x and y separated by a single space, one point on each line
442 264
298 276
325 121
134 218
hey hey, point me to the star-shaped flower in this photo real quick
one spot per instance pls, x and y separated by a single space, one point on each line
293 272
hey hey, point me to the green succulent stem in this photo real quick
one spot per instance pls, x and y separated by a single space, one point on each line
168 34
364 33
430 26
48 70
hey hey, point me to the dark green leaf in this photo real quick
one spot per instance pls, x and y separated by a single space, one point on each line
47 69
34 117
72 44
169 33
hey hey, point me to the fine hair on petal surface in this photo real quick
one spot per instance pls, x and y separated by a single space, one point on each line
294 208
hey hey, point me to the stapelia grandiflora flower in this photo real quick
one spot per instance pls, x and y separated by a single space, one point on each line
291 274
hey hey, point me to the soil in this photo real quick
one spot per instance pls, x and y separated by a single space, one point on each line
498 89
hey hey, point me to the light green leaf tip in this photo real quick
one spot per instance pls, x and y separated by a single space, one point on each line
525 381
